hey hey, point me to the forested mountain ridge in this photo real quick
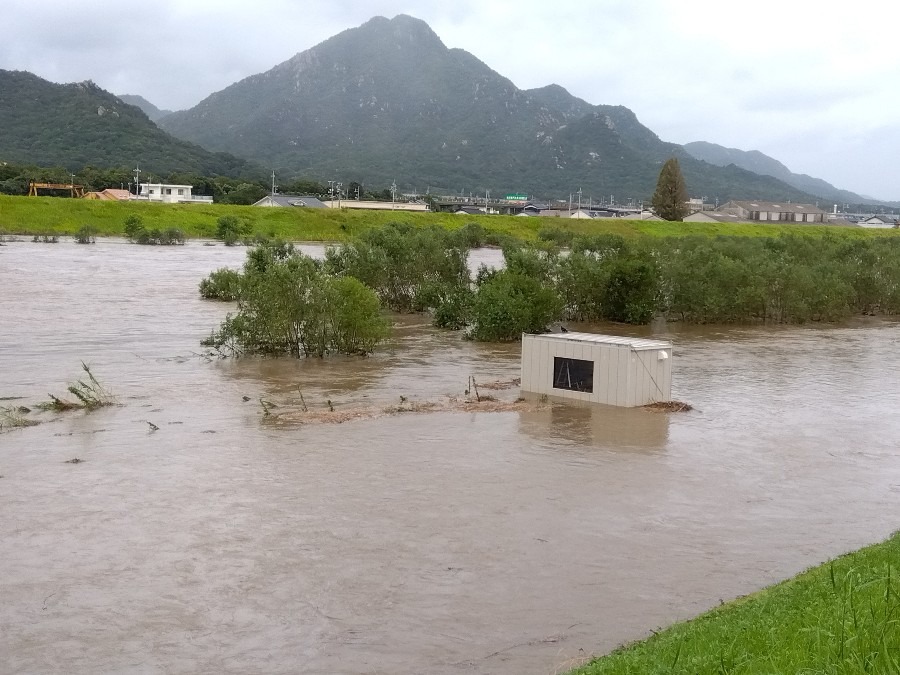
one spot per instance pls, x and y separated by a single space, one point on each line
758 162
154 113
389 101
77 125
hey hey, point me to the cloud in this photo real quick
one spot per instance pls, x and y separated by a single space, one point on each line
797 82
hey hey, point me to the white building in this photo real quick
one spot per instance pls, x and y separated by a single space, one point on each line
592 368
170 194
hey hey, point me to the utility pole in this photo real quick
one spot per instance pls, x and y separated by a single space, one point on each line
393 194
579 199
331 192
273 182
340 186
137 180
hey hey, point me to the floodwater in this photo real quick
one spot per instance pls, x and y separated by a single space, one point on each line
514 542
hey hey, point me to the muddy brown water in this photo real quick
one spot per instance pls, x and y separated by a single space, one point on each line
512 542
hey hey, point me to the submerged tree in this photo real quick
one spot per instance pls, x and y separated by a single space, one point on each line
287 305
671 196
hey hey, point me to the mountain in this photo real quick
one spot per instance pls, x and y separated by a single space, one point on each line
757 162
150 110
389 101
76 125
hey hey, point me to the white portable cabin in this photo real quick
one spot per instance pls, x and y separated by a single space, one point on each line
593 368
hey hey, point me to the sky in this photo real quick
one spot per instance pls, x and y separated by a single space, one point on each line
812 84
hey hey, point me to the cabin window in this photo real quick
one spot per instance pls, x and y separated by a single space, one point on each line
573 374
180 191
168 191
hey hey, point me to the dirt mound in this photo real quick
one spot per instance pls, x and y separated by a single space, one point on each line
452 404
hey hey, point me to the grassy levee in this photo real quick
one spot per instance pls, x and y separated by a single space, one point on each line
842 617
48 215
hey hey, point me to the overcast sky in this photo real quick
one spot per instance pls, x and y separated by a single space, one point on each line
813 84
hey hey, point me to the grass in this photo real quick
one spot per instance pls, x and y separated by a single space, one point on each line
58 216
840 618
15 417
89 395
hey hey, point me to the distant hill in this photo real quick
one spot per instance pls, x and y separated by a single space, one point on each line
389 101
757 162
76 125
150 110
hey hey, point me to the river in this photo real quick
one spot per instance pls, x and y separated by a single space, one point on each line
447 542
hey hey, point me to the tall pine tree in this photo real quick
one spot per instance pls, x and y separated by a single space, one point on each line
670 199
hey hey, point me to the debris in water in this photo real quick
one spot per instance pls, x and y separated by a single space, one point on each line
11 418
74 460
502 384
245 398
669 406
153 427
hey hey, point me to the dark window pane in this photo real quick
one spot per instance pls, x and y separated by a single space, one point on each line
573 374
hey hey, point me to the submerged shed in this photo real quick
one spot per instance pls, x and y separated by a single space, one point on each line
609 369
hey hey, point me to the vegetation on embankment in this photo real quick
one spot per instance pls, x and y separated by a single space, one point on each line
841 618
785 279
62 216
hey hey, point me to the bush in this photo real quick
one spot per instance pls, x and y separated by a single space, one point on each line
470 235
508 304
231 230
453 308
87 234
223 284
138 234
631 290
556 236
403 265
287 305
134 226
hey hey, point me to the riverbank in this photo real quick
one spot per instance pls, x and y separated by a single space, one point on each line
57 216
840 617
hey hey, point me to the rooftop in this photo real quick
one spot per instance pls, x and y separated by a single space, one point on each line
636 344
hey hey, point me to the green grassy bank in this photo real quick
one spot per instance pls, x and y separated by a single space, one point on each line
48 215
842 617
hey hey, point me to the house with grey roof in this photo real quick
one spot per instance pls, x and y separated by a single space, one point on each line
291 200
881 220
